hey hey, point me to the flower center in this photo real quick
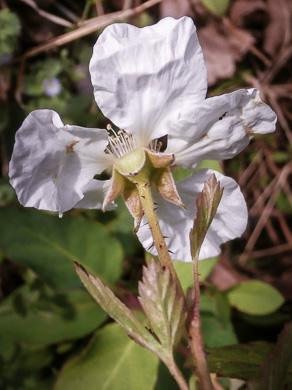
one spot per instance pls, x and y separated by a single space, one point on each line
121 143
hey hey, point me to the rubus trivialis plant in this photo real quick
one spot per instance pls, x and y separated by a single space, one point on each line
151 83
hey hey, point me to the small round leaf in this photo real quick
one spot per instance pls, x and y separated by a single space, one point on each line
255 298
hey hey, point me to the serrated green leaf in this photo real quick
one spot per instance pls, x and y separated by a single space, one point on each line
162 303
255 297
49 245
49 319
111 362
117 310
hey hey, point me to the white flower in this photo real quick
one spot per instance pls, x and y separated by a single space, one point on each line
152 83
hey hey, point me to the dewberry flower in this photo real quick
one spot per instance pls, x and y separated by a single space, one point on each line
151 83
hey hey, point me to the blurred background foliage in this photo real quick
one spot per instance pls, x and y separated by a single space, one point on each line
52 334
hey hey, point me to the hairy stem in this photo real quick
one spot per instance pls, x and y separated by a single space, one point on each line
148 206
196 341
158 239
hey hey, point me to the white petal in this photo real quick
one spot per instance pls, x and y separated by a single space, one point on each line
142 77
222 127
94 194
229 222
51 163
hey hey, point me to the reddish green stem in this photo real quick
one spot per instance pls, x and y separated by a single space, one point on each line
196 341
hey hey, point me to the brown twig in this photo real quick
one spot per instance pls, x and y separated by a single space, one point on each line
279 182
285 228
250 170
272 233
274 250
52 18
99 8
90 27
282 59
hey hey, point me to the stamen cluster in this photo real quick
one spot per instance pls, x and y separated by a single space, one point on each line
120 143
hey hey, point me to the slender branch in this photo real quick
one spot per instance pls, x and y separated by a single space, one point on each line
47 15
196 341
207 203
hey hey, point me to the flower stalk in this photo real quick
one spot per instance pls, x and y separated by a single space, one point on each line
149 209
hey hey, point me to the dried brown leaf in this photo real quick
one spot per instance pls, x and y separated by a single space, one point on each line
278 28
222 48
